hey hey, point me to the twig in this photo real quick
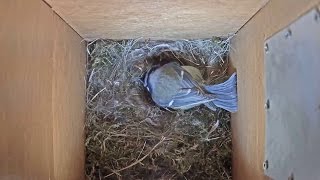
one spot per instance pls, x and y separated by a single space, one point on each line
142 149
213 128
97 94
138 161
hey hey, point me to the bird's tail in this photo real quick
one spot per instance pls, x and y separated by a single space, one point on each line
226 94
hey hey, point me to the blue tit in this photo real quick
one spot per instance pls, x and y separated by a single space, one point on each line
181 87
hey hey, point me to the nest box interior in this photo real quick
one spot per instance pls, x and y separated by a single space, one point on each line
43 61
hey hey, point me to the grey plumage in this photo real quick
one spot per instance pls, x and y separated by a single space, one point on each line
172 86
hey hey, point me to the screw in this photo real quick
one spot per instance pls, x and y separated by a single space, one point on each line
291 177
265 164
288 33
317 15
267 104
266 47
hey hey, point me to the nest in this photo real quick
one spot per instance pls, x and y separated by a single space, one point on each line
129 137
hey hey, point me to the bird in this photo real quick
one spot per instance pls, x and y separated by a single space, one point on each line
177 87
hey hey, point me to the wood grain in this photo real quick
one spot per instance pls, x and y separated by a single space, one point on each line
26 90
69 60
161 19
30 33
248 125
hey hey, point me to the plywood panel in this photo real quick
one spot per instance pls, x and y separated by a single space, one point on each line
26 88
248 125
68 103
161 19
28 50
69 61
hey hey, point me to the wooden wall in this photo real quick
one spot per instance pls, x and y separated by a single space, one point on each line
248 125
41 94
161 19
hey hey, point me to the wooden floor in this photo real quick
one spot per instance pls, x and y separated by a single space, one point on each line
248 125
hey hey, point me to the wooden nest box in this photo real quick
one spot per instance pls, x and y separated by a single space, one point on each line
42 70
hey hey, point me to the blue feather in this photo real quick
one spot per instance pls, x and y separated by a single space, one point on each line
226 94
171 86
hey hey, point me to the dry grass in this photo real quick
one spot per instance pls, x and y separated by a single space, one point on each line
128 137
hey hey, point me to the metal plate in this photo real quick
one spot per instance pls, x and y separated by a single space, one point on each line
292 71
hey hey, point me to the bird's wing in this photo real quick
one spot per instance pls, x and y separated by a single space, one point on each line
194 72
190 94
188 100
186 78
163 84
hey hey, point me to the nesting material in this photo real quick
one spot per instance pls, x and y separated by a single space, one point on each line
129 137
